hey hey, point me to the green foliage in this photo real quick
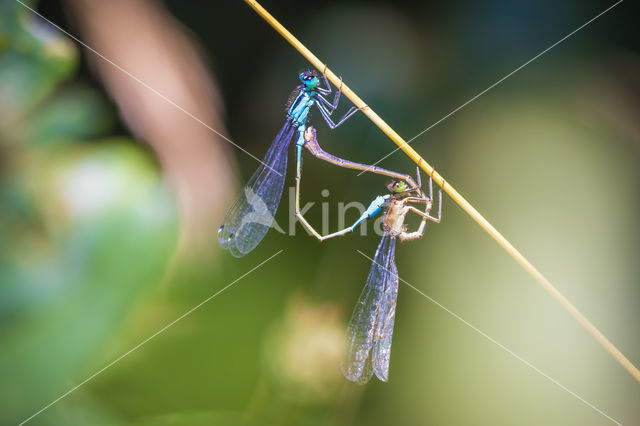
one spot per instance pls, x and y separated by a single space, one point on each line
87 229
87 225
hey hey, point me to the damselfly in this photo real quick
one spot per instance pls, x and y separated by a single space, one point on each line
251 216
370 329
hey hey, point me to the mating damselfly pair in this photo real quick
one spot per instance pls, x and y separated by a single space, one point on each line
370 328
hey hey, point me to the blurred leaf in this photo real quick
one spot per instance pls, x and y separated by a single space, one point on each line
81 281
34 60
216 418
73 114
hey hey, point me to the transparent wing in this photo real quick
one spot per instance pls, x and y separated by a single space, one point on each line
364 326
250 217
384 321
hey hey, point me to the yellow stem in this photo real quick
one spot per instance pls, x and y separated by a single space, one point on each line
466 206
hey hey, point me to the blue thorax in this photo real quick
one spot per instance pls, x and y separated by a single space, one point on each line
299 109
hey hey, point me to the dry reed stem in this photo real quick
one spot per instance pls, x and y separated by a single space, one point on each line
446 187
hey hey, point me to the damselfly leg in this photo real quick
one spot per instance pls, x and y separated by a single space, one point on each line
370 330
251 216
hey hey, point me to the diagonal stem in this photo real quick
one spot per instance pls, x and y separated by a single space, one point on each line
450 190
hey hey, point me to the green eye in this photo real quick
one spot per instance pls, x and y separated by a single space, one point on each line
397 186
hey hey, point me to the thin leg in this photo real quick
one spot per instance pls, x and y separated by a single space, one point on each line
422 199
408 236
426 212
423 214
419 200
325 114
439 207
331 107
325 90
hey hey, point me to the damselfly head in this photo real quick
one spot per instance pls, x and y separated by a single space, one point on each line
397 186
309 79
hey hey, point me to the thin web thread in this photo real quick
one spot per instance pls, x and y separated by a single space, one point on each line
145 85
500 345
145 340
496 83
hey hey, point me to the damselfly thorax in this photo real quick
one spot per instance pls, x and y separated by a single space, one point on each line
299 110
397 211
394 219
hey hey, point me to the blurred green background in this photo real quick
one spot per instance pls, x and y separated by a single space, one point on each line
108 213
